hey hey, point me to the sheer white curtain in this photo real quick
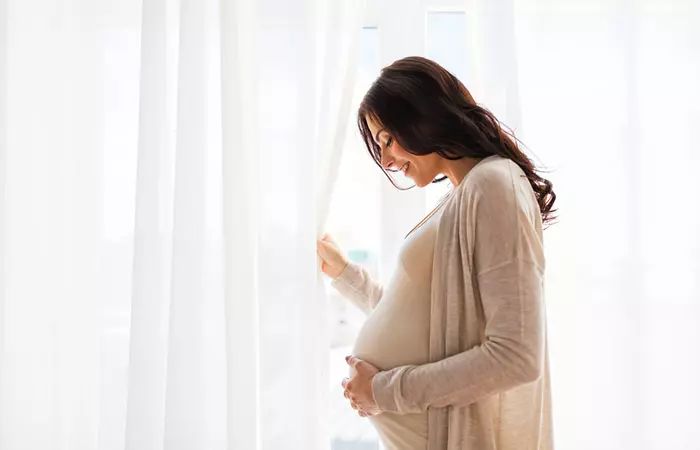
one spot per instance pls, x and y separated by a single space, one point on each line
164 170
605 94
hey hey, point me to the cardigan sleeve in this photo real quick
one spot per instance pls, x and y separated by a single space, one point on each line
508 263
356 284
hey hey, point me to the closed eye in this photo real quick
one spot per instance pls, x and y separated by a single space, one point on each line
388 143
380 149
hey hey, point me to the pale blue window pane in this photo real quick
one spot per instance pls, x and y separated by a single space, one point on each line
369 52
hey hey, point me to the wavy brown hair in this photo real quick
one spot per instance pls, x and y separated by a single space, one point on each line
428 110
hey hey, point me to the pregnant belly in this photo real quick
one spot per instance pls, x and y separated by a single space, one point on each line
402 432
397 331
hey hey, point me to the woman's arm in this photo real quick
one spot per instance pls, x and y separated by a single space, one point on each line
511 354
356 284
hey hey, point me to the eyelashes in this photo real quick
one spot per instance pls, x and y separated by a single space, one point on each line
378 147
388 143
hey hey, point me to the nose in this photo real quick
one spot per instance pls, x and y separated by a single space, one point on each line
387 160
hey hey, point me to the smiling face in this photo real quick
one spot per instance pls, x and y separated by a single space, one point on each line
423 169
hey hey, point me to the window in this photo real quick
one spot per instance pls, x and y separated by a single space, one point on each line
355 216
353 220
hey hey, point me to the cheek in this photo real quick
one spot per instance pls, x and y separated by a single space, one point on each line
399 152
425 165
420 165
433 164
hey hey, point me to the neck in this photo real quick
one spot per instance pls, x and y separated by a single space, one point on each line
457 169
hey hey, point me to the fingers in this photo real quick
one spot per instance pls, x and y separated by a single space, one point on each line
327 247
346 388
346 391
348 395
353 361
323 248
346 384
354 405
361 412
327 239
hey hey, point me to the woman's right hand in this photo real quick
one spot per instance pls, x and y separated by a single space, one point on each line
333 261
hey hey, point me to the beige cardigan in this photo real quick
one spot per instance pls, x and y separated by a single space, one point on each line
487 387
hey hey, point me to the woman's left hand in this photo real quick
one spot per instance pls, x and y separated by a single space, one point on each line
358 389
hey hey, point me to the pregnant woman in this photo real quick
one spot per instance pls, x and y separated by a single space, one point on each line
453 353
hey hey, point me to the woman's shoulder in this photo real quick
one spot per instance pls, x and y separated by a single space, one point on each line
493 176
494 185
492 171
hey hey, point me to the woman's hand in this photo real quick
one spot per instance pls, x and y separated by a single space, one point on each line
332 259
358 389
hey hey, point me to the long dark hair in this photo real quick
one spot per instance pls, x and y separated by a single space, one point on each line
428 110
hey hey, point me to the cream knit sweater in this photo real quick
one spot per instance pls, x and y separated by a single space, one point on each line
487 385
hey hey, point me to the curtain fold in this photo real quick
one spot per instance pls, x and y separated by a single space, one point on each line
241 194
161 174
341 53
152 248
339 32
51 322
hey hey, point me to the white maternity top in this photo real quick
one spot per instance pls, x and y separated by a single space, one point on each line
396 331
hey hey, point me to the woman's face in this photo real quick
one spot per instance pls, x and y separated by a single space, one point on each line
422 169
